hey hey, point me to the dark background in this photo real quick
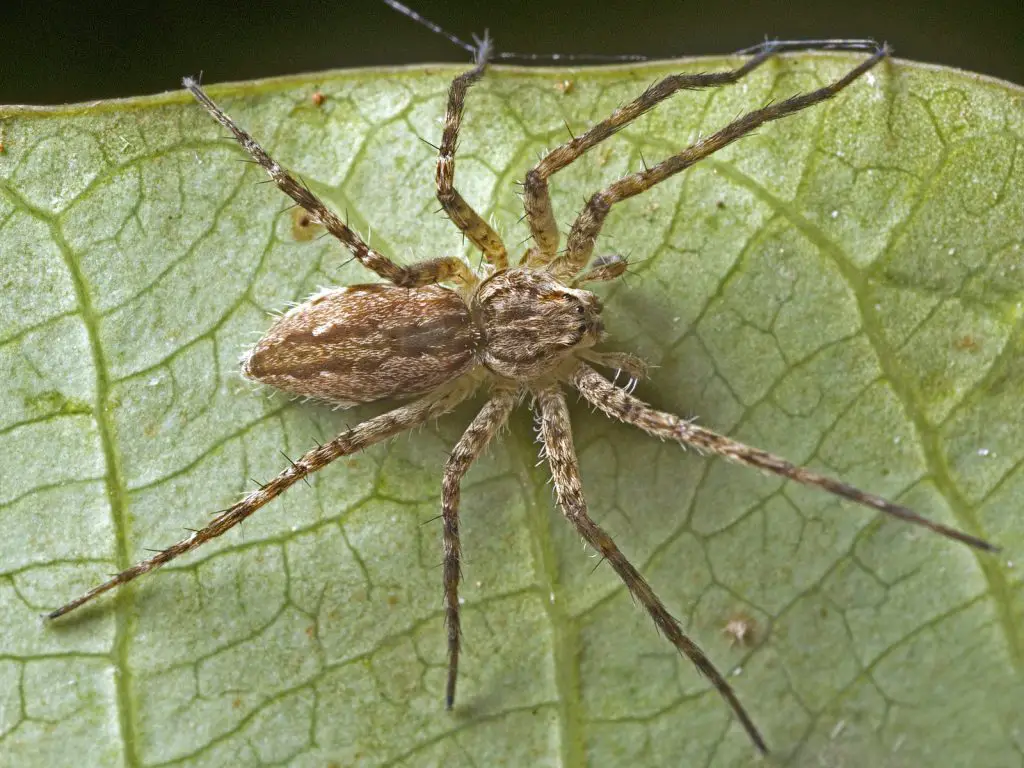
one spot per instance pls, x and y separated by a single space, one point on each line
57 52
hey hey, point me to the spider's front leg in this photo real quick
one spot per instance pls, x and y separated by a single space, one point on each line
561 454
588 224
469 448
536 195
471 223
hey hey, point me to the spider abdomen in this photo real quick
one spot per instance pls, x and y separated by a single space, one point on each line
362 343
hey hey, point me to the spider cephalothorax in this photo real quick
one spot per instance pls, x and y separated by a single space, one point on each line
530 322
512 331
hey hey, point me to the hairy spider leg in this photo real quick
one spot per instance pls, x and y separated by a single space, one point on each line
351 441
537 197
536 194
556 431
471 445
414 275
621 405
472 225
588 224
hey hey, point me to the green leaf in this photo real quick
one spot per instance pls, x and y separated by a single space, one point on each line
844 288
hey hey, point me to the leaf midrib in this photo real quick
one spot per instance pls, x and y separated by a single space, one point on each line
113 478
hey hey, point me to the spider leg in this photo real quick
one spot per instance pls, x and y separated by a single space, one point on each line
536 195
479 232
351 441
588 224
469 448
424 273
557 434
623 406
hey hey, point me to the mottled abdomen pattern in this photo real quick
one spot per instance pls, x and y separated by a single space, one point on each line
363 343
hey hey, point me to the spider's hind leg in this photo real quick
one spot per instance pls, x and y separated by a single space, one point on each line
621 405
557 435
351 441
472 443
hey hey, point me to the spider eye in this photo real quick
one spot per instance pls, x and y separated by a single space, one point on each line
580 309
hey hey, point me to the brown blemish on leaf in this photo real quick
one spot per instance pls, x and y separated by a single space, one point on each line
303 227
966 343
565 86
741 629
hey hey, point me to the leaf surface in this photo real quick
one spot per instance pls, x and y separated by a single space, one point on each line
844 289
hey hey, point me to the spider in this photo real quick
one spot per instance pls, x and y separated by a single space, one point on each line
436 332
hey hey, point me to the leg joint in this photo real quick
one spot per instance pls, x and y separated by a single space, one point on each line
599 203
535 181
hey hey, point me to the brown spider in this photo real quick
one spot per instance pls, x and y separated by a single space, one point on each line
512 331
